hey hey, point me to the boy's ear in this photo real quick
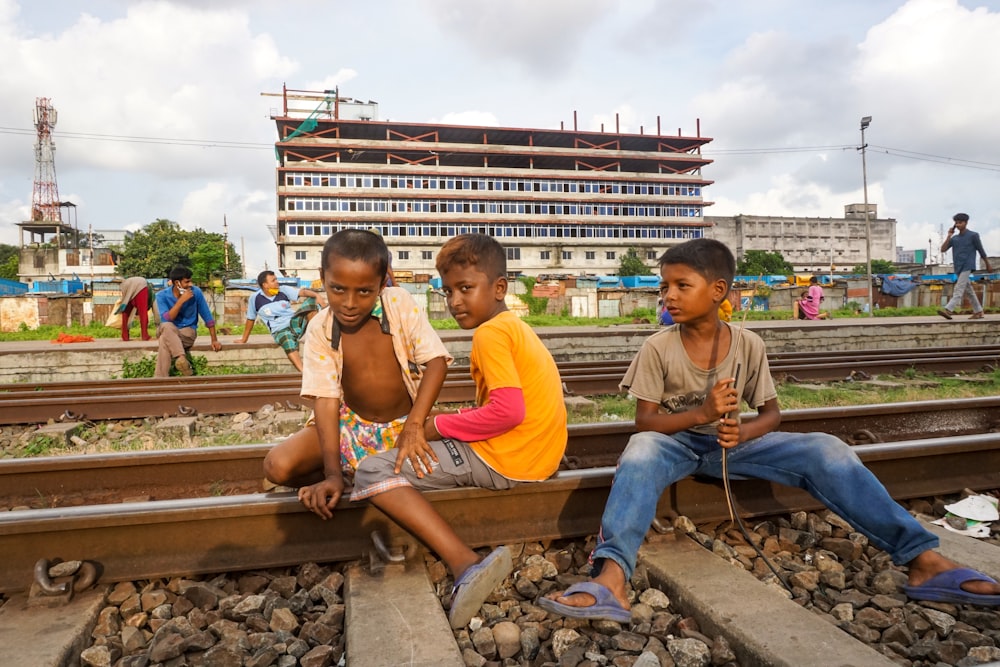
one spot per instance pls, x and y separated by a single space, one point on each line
501 289
721 290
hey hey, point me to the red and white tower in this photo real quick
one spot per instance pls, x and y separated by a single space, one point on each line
45 194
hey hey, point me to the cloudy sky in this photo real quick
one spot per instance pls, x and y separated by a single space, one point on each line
160 111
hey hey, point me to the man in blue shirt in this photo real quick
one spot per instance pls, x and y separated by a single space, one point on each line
272 303
180 306
964 247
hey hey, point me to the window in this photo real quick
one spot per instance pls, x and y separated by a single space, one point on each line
513 253
567 254
426 255
403 254
650 254
545 254
609 254
590 254
300 254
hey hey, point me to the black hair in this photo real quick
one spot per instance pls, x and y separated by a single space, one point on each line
961 217
357 245
813 280
711 258
262 276
179 273
478 250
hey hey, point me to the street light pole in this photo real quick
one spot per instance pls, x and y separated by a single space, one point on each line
865 122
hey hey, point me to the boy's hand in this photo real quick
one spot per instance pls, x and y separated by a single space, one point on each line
322 497
412 446
729 433
720 401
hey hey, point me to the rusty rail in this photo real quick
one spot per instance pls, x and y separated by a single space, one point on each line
138 398
167 538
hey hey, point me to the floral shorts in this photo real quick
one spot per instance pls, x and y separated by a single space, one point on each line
360 437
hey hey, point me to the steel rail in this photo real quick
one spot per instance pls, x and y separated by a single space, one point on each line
163 474
176 537
140 398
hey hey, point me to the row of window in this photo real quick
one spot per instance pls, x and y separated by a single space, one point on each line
490 207
512 254
445 230
490 184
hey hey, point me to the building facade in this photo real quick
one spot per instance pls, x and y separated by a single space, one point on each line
810 244
560 201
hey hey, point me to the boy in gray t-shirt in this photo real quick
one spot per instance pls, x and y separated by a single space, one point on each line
688 381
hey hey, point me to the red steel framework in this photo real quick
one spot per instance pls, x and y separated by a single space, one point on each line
45 204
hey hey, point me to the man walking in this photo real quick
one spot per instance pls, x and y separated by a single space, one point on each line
964 246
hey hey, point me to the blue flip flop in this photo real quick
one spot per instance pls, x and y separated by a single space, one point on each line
947 587
476 584
605 606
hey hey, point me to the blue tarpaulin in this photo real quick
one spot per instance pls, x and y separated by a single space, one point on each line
897 286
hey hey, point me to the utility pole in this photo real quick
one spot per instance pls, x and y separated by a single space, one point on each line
225 242
865 122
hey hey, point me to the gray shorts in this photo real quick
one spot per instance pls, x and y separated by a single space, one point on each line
458 466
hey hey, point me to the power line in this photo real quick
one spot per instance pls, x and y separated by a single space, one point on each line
777 150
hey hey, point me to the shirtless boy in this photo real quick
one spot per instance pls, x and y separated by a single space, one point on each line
374 367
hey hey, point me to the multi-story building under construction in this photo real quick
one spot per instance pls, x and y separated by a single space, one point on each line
562 201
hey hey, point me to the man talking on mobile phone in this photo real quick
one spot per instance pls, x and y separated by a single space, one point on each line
180 306
964 246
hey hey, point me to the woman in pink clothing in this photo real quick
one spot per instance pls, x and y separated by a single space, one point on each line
809 304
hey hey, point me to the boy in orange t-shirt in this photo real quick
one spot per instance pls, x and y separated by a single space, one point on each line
517 432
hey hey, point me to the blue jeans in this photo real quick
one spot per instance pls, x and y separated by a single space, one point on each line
819 463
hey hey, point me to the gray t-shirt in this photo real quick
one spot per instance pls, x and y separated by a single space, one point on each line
662 373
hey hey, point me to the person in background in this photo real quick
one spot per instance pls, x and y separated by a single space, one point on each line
663 318
272 303
725 310
964 247
809 304
797 313
180 305
135 296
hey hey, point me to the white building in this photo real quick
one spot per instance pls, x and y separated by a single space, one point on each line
560 201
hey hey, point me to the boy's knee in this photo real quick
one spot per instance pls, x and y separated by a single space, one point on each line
275 470
642 447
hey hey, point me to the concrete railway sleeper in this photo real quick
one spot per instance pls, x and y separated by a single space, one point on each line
690 606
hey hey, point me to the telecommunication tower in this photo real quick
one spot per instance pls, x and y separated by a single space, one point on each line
45 204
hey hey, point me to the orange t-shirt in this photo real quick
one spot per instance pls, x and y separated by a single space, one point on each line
507 353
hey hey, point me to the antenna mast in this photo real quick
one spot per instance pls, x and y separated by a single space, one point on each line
45 195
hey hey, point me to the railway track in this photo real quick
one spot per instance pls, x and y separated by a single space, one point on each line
926 449
138 398
145 540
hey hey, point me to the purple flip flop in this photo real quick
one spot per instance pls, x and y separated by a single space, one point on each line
947 587
476 584
605 606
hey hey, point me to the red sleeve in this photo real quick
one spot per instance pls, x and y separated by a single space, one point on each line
503 411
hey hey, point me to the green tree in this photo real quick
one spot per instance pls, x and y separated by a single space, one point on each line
9 258
878 266
9 267
763 263
631 264
161 245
